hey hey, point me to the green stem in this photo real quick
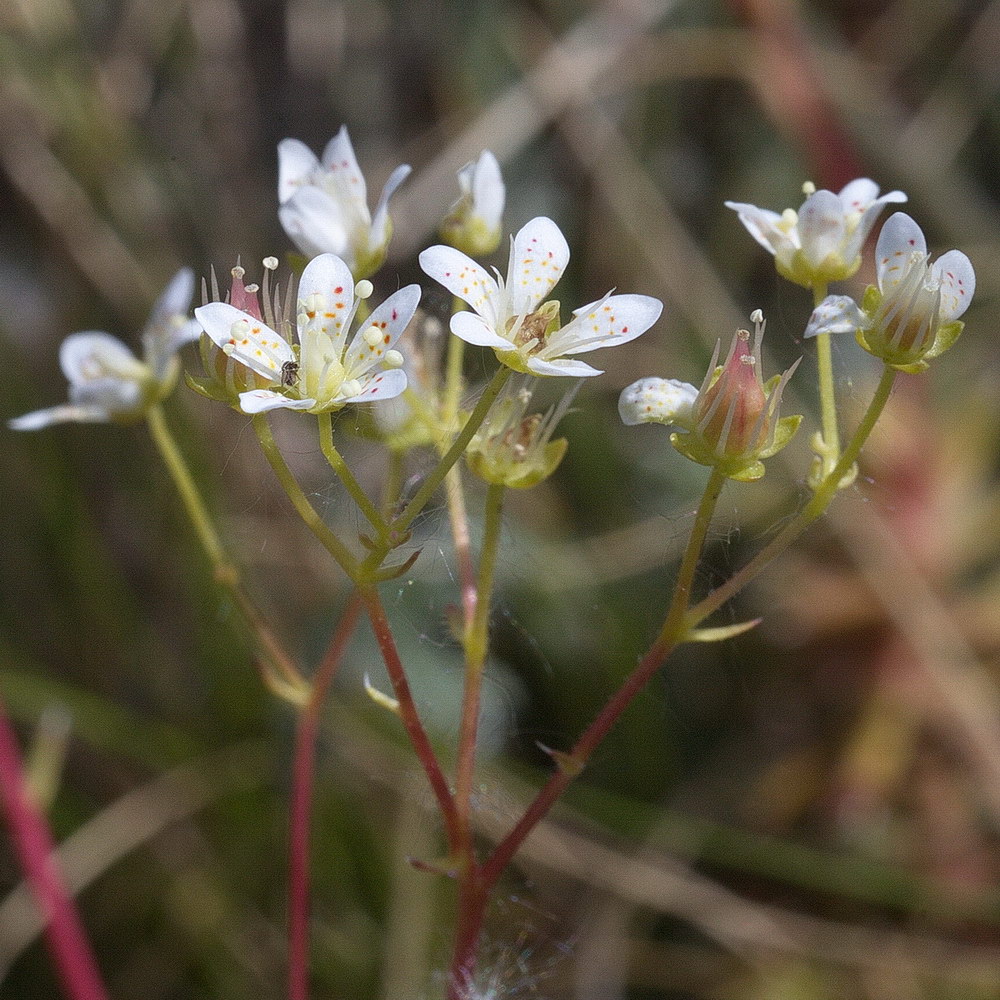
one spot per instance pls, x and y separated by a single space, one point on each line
190 497
816 505
452 455
339 466
672 625
306 511
476 643
288 682
827 393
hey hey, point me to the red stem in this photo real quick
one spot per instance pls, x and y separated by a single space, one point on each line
35 849
574 763
303 772
411 719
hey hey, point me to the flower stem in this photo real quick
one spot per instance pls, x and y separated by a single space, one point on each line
408 712
35 849
816 505
306 511
476 643
282 677
827 394
681 599
454 453
339 466
570 765
303 772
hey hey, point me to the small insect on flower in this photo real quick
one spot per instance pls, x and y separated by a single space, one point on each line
289 373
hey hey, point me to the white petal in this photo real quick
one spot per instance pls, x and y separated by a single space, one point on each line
380 219
169 328
262 400
253 343
958 283
466 280
297 165
343 175
381 385
93 354
539 254
315 223
474 329
867 220
615 319
328 278
488 191
111 395
763 225
65 413
822 227
857 195
391 317
657 400
835 314
899 239
176 298
562 366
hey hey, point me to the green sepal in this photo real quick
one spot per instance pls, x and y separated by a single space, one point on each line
832 268
871 300
748 473
914 368
720 633
210 388
500 470
947 334
784 431
513 360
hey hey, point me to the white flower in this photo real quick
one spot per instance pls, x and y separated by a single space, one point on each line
107 382
473 222
912 314
324 203
325 372
507 316
821 242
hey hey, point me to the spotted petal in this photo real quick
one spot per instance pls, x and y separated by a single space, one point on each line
615 319
297 165
958 283
327 282
466 280
539 254
343 173
381 385
245 339
391 317
899 239
657 400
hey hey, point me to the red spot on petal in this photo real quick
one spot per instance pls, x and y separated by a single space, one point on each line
387 338
624 329
338 289
395 315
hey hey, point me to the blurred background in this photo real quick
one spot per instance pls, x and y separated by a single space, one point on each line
808 812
